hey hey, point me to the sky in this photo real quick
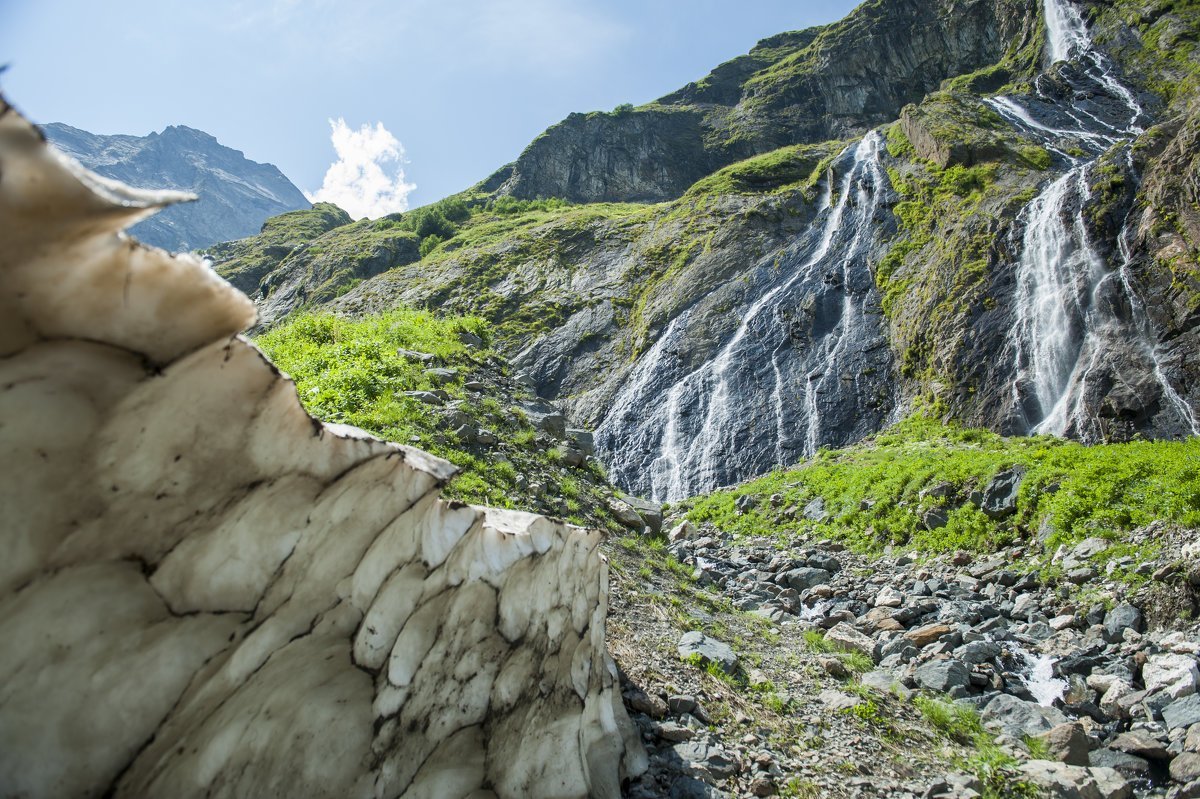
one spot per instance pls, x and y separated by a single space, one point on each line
373 104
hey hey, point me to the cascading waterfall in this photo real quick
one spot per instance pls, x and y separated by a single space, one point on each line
674 431
1078 324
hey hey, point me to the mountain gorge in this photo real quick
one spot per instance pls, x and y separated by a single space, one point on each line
987 209
234 194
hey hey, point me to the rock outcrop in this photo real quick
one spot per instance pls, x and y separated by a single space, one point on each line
208 593
825 83
234 194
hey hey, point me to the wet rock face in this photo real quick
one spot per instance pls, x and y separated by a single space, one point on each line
855 75
236 600
803 363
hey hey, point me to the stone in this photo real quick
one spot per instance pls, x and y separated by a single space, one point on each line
942 675
1191 741
999 498
469 339
1067 743
651 705
691 788
709 650
1124 616
1062 781
671 731
815 510
1089 548
926 635
427 397
679 704
845 636
649 511
625 513
837 700
834 667
889 598
545 417
1017 718
1131 766
441 376
935 518
1186 767
683 531
583 440
255 602
1182 712
1176 674
804 578
1140 743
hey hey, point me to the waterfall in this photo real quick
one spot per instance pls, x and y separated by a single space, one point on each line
1078 321
675 431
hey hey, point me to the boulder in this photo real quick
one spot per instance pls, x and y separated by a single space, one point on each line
709 650
1140 743
1176 674
999 499
1121 618
847 637
1130 766
1062 781
923 636
1017 717
942 675
1186 767
1067 743
649 511
804 578
625 513
1182 713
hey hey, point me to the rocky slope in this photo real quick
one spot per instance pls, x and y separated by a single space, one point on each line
236 195
1011 239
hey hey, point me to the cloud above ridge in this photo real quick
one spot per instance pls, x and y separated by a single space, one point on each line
367 180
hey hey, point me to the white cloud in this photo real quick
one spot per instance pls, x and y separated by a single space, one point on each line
359 181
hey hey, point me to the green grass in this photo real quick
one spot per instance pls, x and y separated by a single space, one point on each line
874 491
350 371
961 724
855 662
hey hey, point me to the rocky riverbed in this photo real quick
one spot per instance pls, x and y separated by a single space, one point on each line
756 670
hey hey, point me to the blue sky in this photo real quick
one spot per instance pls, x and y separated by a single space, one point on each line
461 85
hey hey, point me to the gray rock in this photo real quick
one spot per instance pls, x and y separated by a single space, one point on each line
1062 781
692 788
441 376
545 417
1182 713
709 650
815 510
827 562
845 636
805 578
427 397
935 518
416 357
1176 673
978 652
470 340
1186 767
624 513
999 499
1067 743
1121 618
942 675
1017 717
1131 766
1141 744
583 440
651 512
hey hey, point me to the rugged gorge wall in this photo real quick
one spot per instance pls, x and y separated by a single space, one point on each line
207 593
829 83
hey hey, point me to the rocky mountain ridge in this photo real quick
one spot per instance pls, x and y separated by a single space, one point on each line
808 295
236 195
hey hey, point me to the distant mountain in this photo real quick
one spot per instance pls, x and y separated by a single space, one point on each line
236 195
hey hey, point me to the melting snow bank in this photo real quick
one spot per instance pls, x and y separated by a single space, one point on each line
205 592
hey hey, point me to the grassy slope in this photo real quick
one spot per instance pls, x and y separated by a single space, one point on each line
876 493
350 372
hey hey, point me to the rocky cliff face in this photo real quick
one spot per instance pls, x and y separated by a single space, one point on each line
236 195
826 83
1015 248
